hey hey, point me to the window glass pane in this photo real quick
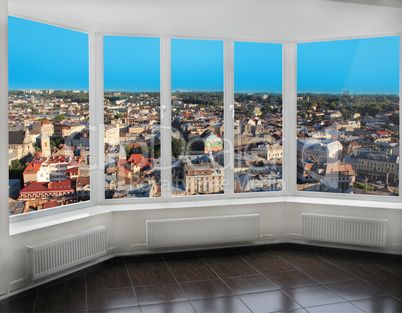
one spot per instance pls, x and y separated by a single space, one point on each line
258 117
348 116
197 117
132 120
48 116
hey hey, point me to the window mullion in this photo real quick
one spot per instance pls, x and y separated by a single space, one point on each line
96 118
400 106
289 105
229 117
165 117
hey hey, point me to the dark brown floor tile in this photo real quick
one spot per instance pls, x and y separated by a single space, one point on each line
148 265
67 296
256 255
249 284
354 289
372 282
193 273
389 282
270 301
302 259
293 311
390 263
328 274
222 304
182 254
233 270
184 262
313 296
383 304
340 258
364 270
107 267
111 299
222 259
24 302
107 280
393 268
174 307
205 289
291 279
159 294
70 278
223 251
132 309
343 307
154 277
271 264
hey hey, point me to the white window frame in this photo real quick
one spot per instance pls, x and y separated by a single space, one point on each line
354 197
166 201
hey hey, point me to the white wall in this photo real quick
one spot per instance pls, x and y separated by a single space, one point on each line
126 228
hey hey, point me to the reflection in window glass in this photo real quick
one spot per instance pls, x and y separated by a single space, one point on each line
48 116
197 117
348 116
131 116
258 117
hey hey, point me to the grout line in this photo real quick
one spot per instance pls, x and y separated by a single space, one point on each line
132 286
177 282
223 281
36 300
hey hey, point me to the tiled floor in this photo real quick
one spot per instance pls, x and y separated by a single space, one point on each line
275 278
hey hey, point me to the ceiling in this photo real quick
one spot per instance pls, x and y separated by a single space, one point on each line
270 20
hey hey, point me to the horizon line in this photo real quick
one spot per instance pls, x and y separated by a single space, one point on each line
212 91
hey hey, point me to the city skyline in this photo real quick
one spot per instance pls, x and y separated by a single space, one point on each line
359 66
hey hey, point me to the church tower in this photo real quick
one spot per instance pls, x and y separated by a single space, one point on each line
43 141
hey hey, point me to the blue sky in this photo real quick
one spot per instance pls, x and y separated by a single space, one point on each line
131 63
197 65
257 67
47 57
368 65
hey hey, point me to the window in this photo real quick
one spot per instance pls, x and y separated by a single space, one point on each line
197 116
132 117
258 117
348 116
48 114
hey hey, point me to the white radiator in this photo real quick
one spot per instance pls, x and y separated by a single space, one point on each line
54 256
345 229
203 230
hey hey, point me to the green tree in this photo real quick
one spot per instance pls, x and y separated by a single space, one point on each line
59 117
331 106
394 118
157 150
52 144
128 152
176 147
16 169
145 151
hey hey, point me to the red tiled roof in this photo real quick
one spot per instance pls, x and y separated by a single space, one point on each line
140 161
383 133
63 185
73 170
32 168
45 122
